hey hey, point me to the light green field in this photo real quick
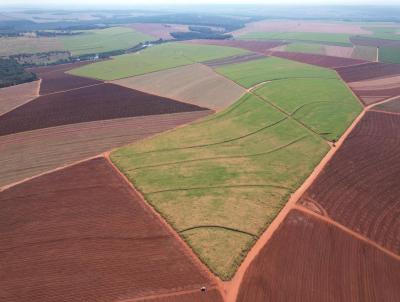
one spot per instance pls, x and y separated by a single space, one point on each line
253 72
221 181
155 58
390 33
103 40
339 39
388 54
325 105
305 47
29 45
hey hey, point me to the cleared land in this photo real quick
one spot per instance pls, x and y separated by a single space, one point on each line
368 71
55 79
103 40
100 102
318 60
312 260
216 183
339 51
367 53
161 31
212 295
389 54
352 191
196 84
305 47
254 72
30 153
392 106
312 101
153 59
14 96
11 46
373 42
87 236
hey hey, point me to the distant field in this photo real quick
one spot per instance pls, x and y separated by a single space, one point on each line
304 47
102 40
11 46
390 33
154 59
364 53
389 54
340 39
257 71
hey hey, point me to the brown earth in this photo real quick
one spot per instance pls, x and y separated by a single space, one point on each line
233 60
26 154
100 102
359 187
319 60
338 51
14 96
391 106
54 78
195 84
374 42
380 83
371 96
82 234
368 71
161 31
212 295
310 260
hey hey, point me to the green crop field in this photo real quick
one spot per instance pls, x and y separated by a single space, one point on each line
388 54
325 105
338 39
253 72
103 40
390 33
155 58
305 47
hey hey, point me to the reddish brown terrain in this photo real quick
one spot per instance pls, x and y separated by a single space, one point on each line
161 31
360 185
374 42
310 260
234 59
391 106
319 60
55 79
100 102
14 96
212 295
82 234
255 46
368 71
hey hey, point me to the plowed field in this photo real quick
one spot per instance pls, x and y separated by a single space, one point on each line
30 153
161 31
368 71
255 46
101 102
82 234
208 296
14 96
360 186
309 260
392 106
374 42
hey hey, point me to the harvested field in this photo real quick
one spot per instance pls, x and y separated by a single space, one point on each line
321 263
14 96
255 46
54 78
212 295
101 102
195 84
161 31
315 59
338 51
87 236
367 53
233 60
359 187
392 106
374 42
368 71
23 155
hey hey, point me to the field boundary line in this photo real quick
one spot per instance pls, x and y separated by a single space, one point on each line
383 111
72 89
363 105
218 227
346 230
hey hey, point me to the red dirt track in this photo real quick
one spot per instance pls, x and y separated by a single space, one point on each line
310 260
255 46
318 60
82 234
54 79
368 71
101 102
360 186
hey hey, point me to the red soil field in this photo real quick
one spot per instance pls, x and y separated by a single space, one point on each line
368 71
161 31
54 79
101 102
310 260
82 234
365 41
17 95
233 60
360 185
391 106
208 296
29 153
255 46
372 96
319 60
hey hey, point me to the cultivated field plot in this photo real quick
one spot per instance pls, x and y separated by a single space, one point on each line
103 40
373 42
216 184
14 96
161 31
212 295
350 189
254 72
389 54
306 48
196 84
153 59
391 106
233 60
339 51
87 236
367 53
368 71
100 102
30 153
318 60
28 45
322 263
55 79
312 102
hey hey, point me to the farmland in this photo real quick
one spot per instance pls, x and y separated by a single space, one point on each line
80 235
254 46
153 59
391 106
160 31
14 96
389 54
304 47
195 84
368 71
93 103
367 53
321 263
11 46
338 51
